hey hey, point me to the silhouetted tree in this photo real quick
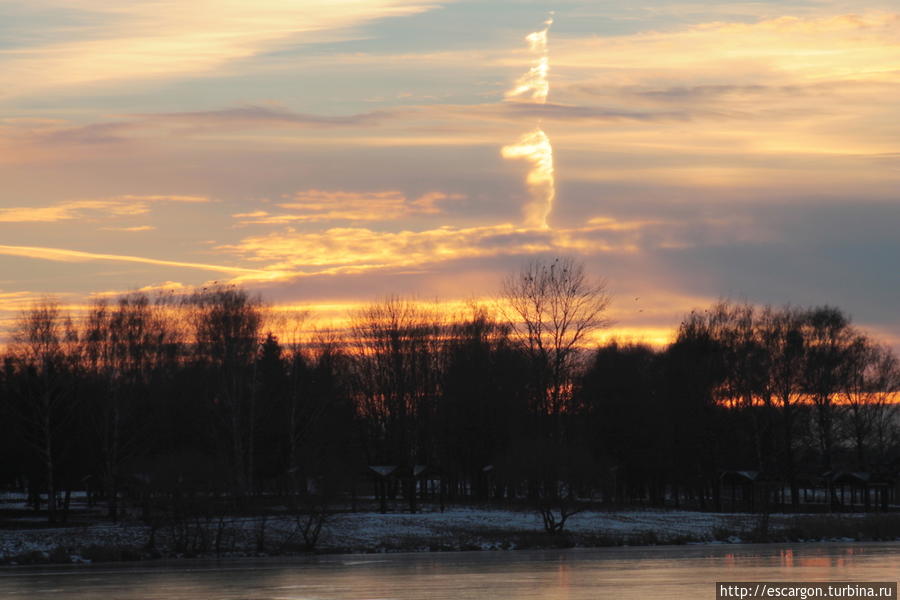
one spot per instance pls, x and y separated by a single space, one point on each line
193 406
829 342
397 373
552 308
228 326
483 401
871 377
44 399
123 347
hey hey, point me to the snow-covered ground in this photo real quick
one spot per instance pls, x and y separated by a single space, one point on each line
22 541
486 525
486 528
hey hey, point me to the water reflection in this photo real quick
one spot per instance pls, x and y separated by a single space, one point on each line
662 572
787 557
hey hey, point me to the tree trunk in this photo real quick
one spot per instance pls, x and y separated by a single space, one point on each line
48 463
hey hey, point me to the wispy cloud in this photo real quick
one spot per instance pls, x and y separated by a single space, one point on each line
135 229
12 302
180 198
66 255
354 249
66 211
120 206
358 249
760 61
253 116
158 39
311 206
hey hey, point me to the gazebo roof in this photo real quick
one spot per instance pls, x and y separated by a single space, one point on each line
383 470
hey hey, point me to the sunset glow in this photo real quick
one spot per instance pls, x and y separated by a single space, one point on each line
329 154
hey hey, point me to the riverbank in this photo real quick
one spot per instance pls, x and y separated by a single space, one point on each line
469 528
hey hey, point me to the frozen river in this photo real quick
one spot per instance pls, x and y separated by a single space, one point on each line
656 572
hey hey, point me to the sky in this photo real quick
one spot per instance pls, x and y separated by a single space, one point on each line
330 153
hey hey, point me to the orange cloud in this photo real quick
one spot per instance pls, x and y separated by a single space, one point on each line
17 301
135 229
356 249
121 206
65 211
312 206
142 198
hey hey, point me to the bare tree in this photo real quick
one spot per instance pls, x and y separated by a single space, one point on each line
871 378
309 367
553 307
41 347
123 345
829 341
397 372
782 338
228 331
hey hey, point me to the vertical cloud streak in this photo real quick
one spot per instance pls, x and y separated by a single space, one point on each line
533 88
536 149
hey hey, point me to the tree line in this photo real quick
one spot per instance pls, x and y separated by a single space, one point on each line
152 401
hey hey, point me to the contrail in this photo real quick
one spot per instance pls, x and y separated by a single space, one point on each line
533 87
65 255
535 148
